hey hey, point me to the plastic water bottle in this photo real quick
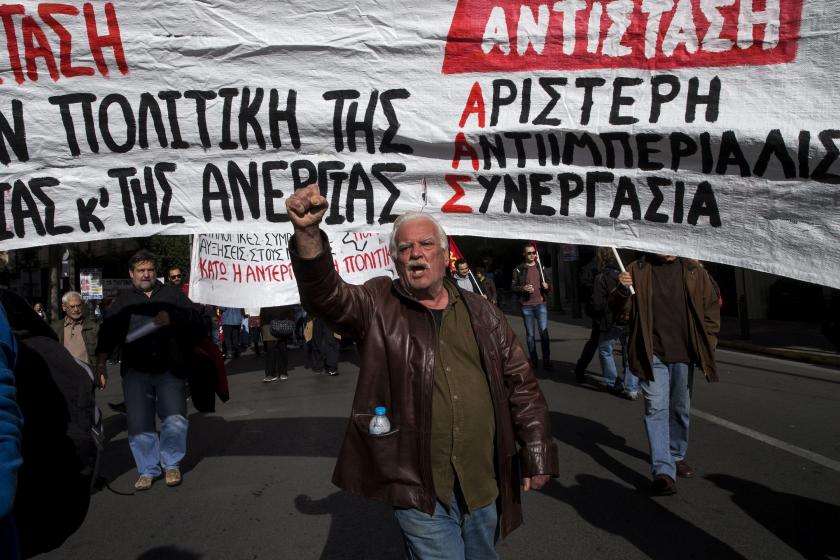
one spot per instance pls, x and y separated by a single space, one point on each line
379 424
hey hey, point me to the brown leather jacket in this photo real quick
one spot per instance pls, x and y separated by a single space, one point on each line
397 341
703 324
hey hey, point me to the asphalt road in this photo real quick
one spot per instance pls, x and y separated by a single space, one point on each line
765 443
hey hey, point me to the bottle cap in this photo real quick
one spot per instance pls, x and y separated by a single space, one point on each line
379 410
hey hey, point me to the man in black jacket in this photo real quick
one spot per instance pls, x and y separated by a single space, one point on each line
155 325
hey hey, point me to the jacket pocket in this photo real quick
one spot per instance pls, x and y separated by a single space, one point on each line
362 422
387 459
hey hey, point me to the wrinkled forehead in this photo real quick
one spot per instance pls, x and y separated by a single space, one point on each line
144 265
416 231
75 300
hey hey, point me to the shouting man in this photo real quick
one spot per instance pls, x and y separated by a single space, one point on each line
469 423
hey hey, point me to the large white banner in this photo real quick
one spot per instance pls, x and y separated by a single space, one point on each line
705 128
254 270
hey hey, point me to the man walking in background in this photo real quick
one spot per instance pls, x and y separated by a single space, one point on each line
463 277
77 332
674 320
231 330
155 325
529 284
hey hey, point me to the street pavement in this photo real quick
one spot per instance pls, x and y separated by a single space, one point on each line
765 443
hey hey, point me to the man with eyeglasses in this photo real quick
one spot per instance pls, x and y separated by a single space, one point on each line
529 284
77 332
174 275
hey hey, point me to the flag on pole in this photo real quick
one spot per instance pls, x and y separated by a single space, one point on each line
454 254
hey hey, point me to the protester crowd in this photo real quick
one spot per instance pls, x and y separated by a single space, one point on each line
475 396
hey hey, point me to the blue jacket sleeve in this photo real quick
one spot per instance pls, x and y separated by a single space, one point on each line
11 419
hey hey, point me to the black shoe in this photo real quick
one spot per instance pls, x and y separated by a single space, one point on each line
332 372
615 389
548 365
580 377
663 485
684 470
117 407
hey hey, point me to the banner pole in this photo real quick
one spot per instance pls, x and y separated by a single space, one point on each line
476 284
621 267
539 264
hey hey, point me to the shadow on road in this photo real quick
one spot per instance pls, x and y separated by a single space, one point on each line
592 438
806 525
170 553
617 509
639 519
359 528
213 436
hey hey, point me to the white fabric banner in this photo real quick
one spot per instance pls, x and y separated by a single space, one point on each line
254 270
704 128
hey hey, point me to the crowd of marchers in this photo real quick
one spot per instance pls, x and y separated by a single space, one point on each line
448 423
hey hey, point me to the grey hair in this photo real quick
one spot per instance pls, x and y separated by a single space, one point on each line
66 297
410 217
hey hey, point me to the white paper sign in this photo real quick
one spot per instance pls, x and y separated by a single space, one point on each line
254 270
707 129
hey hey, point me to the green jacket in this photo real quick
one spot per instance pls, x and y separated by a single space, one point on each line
90 334
703 308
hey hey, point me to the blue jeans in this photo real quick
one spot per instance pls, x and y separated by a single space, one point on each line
540 313
667 409
145 394
605 355
452 535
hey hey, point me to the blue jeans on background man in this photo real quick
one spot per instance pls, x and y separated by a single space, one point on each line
452 535
540 313
145 394
667 409
630 383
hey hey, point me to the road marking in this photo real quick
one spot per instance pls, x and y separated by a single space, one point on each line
769 440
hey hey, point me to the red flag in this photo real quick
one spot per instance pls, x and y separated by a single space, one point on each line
454 254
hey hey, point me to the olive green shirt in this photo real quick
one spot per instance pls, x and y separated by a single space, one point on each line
463 422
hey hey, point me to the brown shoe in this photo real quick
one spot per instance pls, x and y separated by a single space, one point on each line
663 485
173 477
143 483
684 470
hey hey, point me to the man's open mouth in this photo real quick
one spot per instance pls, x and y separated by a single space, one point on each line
417 269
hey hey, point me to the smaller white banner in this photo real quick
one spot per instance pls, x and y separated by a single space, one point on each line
254 269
